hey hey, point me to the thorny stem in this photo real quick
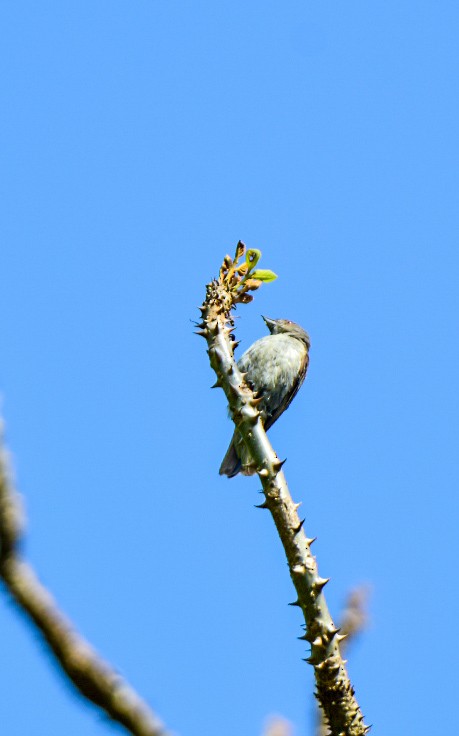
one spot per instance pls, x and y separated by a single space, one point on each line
352 621
335 693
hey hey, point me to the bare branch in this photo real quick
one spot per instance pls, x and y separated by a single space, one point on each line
95 679
355 616
334 690
278 726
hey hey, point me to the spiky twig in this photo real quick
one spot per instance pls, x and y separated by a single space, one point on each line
334 690
353 621
93 677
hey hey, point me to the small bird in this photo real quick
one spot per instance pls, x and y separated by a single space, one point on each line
276 367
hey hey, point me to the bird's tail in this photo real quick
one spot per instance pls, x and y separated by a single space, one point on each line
237 458
231 463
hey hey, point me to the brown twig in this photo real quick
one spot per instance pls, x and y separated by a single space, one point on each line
95 679
278 726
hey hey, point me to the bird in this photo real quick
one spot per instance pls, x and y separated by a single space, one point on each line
276 367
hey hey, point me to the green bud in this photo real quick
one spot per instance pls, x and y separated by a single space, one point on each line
252 257
263 275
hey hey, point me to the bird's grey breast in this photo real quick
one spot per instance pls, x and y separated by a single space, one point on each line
273 364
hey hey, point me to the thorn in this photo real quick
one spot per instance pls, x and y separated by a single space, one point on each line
320 583
318 642
264 472
235 344
261 505
332 632
255 402
341 637
310 541
305 637
313 660
277 464
296 506
295 603
201 333
299 527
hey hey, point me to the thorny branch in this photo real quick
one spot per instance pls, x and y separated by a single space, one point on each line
353 621
94 678
335 693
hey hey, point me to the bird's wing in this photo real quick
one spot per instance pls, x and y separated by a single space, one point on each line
271 418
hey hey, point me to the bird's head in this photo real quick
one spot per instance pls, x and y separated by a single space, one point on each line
280 326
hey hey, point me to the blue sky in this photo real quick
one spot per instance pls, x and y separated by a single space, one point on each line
140 141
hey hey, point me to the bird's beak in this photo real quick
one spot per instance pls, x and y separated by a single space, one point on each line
271 323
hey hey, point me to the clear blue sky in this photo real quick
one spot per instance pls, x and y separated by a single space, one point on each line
140 141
